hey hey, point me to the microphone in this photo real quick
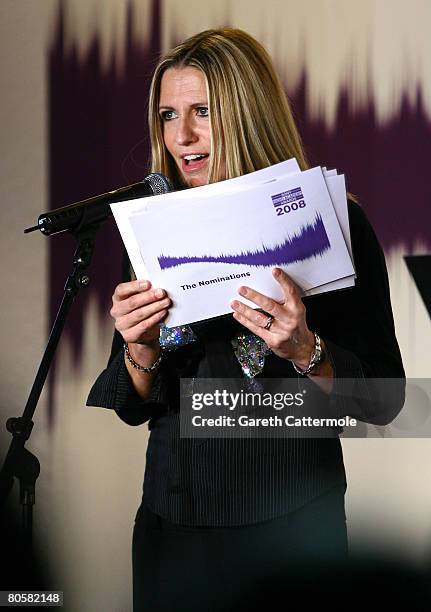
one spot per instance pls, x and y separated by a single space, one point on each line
95 210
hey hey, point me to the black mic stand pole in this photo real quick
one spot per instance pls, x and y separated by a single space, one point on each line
19 462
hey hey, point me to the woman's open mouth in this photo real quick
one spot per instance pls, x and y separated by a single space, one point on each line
194 161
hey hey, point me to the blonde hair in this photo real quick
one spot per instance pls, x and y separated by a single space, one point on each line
251 121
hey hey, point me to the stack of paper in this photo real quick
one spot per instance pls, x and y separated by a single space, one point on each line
202 244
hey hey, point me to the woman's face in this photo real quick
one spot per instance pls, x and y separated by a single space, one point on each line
186 128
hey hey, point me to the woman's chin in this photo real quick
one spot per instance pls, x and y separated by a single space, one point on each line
196 181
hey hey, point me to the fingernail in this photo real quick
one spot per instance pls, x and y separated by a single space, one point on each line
276 272
160 293
242 290
144 285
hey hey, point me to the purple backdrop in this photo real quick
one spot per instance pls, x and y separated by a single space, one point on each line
98 141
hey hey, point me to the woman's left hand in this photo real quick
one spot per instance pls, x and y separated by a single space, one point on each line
284 328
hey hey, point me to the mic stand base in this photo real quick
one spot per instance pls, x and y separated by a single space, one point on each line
20 463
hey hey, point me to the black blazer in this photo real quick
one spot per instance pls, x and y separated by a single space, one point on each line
226 482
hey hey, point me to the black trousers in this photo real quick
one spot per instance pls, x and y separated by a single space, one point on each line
219 569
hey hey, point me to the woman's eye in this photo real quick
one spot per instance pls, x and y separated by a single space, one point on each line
167 115
202 111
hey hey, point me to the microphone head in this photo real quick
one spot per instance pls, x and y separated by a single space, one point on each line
158 183
96 209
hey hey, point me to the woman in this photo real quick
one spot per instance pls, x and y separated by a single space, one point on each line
229 514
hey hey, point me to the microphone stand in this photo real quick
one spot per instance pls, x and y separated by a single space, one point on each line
20 463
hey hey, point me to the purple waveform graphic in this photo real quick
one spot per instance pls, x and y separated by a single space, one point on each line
311 241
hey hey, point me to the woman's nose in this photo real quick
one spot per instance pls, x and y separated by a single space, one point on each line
185 132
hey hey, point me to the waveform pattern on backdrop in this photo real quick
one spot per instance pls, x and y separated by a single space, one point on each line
311 241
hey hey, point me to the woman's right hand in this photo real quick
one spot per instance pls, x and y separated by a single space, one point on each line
138 310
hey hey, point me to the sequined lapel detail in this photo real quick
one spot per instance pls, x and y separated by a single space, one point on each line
250 350
171 338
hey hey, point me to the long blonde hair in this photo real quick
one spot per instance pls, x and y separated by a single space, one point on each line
251 121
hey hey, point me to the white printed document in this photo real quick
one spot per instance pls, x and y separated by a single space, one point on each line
202 244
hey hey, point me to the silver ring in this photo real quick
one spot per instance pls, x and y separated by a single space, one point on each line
269 322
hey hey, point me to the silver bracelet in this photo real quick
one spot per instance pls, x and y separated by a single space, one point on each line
139 367
317 356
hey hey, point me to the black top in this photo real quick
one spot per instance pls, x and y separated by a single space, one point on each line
226 482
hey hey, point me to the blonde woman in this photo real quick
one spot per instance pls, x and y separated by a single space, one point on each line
218 517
